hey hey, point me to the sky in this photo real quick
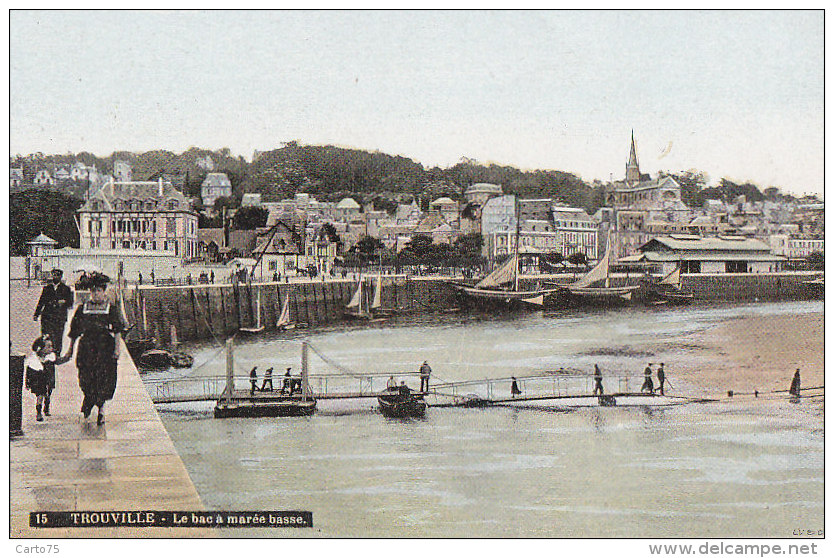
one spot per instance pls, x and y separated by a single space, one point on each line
734 94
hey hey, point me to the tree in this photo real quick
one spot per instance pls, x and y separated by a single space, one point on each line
250 218
32 212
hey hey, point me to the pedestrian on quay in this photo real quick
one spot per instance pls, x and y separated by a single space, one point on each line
153 278
275 277
795 384
598 389
97 327
267 380
661 379
140 277
52 308
211 277
648 384
514 388
425 375
40 374
253 380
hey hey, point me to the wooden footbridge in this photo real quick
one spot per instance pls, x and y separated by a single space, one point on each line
345 384
564 386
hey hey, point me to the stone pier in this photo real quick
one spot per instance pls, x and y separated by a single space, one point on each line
67 464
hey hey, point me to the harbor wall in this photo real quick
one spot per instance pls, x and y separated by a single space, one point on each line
197 312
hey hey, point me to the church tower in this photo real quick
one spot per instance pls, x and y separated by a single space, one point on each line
632 175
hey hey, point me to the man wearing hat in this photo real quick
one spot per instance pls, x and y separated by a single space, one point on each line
56 300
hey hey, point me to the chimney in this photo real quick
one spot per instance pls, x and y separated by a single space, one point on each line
160 186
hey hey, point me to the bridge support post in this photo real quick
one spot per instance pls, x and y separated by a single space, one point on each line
230 371
305 384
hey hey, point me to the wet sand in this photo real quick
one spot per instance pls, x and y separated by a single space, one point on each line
756 353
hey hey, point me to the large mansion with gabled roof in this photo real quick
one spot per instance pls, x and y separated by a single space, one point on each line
152 216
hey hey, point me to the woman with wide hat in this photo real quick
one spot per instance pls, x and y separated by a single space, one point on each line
98 327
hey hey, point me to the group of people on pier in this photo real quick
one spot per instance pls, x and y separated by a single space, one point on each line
290 385
96 328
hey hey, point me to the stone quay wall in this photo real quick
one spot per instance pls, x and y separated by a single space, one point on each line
197 312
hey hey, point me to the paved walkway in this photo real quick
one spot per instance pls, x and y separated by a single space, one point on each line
68 464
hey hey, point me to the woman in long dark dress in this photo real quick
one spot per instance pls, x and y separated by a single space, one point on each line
97 326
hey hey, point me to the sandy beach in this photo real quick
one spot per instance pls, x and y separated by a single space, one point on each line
755 353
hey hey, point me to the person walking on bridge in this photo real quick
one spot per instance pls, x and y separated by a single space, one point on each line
661 379
598 389
425 374
253 381
648 384
514 388
267 380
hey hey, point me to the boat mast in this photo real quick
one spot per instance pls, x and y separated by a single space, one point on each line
517 241
230 371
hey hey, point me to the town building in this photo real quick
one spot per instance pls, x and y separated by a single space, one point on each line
639 201
122 171
15 177
149 216
44 178
576 232
447 208
795 248
482 192
216 185
696 254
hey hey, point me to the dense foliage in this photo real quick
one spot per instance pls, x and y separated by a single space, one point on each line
32 212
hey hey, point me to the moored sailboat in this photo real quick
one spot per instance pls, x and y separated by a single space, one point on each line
594 288
668 290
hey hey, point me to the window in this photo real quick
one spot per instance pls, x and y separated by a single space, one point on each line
171 226
173 204
691 266
125 244
150 205
736 267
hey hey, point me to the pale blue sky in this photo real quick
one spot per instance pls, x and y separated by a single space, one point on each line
736 94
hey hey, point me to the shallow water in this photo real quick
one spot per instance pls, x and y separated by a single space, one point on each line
736 468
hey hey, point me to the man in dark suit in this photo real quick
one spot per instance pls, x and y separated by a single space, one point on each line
56 300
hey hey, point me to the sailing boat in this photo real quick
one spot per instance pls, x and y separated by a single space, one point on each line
583 291
500 288
357 308
283 323
258 327
668 290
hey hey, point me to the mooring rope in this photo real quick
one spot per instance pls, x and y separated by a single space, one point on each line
333 363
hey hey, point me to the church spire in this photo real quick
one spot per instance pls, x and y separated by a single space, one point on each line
632 168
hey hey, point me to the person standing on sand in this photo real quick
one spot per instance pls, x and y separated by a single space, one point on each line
97 326
661 379
795 384
598 389
648 384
